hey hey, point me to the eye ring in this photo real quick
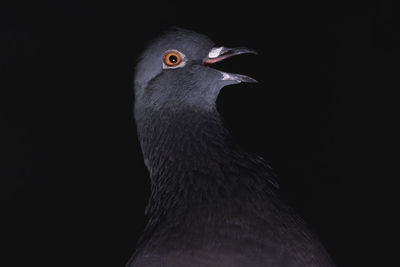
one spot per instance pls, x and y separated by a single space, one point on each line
172 58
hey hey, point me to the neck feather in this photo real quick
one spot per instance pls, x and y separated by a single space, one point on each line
193 161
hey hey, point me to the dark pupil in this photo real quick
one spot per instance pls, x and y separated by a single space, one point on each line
173 59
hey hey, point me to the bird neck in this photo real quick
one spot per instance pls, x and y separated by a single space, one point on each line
183 142
192 160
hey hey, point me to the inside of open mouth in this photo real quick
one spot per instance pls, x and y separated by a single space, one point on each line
242 64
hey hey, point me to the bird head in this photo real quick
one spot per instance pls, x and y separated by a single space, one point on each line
176 70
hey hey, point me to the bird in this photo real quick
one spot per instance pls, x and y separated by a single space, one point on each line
211 203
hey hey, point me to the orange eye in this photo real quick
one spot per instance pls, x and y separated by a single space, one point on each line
172 59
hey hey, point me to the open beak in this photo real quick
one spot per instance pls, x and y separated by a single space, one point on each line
218 54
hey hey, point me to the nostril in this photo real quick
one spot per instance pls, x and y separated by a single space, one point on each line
215 52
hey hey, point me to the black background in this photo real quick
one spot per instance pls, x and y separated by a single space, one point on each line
72 177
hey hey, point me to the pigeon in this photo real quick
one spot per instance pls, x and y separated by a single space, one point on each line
212 204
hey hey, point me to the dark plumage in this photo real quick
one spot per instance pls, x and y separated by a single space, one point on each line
211 204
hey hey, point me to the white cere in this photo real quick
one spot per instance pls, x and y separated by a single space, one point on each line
215 52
